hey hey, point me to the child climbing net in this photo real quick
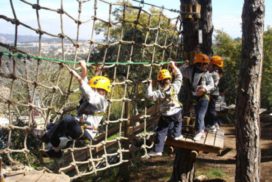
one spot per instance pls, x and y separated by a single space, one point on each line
41 90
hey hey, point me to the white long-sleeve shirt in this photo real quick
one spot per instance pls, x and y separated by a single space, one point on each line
216 79
197 79
168 98
94 105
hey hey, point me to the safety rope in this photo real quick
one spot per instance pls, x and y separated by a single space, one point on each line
69 62
154 5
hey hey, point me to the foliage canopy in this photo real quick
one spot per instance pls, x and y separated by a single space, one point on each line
230 49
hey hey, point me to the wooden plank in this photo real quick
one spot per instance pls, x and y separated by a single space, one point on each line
45 177
53 178
209 139
38 176
212 142
14 174
219 139
192 146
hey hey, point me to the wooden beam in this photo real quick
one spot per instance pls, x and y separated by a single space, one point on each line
212 142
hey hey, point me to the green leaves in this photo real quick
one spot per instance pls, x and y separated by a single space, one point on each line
266 87
230 50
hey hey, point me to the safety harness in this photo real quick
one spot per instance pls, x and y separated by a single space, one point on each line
200 82
85 109
171 99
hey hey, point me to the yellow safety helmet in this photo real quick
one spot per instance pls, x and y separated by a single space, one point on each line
218 61
201 58
100 82
164 74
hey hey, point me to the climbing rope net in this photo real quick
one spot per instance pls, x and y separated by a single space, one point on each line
128 43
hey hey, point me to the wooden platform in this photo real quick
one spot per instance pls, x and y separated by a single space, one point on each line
37 176
212 142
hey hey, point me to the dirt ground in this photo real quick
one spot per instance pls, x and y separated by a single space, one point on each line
214 167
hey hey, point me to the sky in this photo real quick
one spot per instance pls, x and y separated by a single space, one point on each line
226 15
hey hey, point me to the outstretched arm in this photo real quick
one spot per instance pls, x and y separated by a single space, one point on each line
84 70
77 76
174 68
154 95
177 82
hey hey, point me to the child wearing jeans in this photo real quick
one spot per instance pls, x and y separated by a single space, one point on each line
170 122
201 84
216 70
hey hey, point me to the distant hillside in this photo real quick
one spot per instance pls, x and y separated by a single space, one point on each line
9 38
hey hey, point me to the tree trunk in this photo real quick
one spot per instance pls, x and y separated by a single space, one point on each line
190 38
190 44
248 98
192 23
190 30
184 166
206 26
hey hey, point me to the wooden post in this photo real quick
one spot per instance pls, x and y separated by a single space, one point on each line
124 168
197 33
184 165
190 43
1 176
206 26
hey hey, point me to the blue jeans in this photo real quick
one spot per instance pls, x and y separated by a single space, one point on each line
201 107
211 115
168 125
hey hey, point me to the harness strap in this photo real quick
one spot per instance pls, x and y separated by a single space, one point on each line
174 97
86 125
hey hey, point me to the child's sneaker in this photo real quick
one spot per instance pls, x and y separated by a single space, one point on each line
213 128
154 154
199 136
216 125
181 137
